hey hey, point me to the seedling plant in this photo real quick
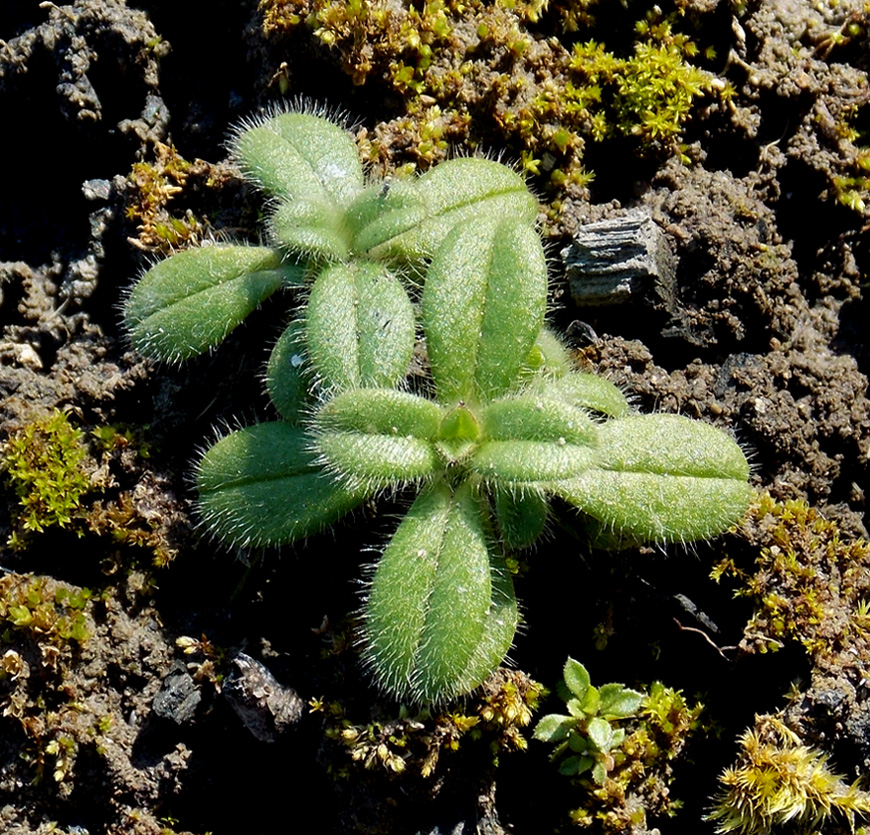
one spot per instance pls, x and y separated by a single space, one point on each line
585 737
420 363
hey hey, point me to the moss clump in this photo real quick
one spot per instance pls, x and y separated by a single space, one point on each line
479 74
415 744
808 583
53 616
44 461
151 195
66 478
779 782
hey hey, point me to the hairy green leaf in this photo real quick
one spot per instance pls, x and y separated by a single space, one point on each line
435 578
309 228
189 302
360 327
378 437
300 156
287 379
521 517
586 391
662 478
529 418
382 213
670 445
260 486
548 358
464 191
483 304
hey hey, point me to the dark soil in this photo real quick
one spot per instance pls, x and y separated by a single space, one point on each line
760 333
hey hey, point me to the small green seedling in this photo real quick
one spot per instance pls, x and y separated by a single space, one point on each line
585 738
448 267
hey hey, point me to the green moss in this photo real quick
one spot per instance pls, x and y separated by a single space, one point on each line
53 616
493 719
478 74
777 782
809 584
151 189
43 461
48 464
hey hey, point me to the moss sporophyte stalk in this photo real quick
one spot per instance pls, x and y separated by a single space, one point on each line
448 266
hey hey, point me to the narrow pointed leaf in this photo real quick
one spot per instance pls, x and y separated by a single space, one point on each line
191 301
260 486
429 610
301 156
483 304
360 327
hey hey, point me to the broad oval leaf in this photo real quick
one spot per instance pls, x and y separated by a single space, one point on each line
618 701
300 156
378 437
483 305
647 507
600 733
381 213
531 439
671 445
429 632
554 727
260 486
662 478
586 391
360 327
191 301
311 229
530 418
464 191
576 678
377 411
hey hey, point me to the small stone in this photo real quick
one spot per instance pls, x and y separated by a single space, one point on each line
267 707
178 696
620 260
